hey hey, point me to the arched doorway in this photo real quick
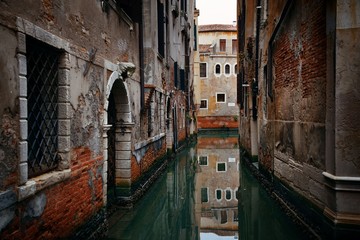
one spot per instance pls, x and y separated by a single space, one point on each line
119 124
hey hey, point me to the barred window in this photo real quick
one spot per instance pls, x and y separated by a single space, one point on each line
42 91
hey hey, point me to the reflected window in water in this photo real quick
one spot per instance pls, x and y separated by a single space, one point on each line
228 194
204 195
203 160
221 167
218 194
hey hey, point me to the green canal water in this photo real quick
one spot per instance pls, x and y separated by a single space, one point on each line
206 193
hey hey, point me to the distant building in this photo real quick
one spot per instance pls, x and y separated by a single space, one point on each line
298 90
216 80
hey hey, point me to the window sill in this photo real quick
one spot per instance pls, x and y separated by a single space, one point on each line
36 184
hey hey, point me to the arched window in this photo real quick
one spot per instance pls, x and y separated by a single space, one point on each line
235 69
227 69
217 69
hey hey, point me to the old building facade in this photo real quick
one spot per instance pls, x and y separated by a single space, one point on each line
93 95
298 90
216 80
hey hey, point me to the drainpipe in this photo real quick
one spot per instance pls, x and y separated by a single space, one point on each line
141 56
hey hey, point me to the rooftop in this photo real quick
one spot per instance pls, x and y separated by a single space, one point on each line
217 28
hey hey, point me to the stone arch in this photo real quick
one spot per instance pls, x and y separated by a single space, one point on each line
118 125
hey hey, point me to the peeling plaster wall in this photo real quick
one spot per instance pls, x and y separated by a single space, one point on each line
60 202
9 112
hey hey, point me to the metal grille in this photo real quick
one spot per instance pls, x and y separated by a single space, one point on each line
42 85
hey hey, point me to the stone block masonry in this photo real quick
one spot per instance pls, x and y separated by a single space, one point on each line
58 211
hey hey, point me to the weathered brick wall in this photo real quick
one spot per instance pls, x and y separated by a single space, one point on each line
218 122
57 211
300 84
154 152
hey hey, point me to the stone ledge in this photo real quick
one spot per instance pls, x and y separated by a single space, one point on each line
342 183
142 144
41 182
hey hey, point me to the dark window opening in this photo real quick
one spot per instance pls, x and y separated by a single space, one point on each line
217 69
204 195
220 97
221 167
161 33
42 98
203 160
203 104
203 72
218 194
228 194
227 69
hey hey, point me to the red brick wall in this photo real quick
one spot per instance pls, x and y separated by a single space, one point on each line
68 204
217 122
147 161
300 64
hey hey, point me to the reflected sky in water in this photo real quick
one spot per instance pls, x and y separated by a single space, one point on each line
205 194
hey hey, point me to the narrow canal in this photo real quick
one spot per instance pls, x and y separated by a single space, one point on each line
205 194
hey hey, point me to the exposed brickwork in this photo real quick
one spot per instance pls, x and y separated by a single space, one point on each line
300 60
151 155
68 204
217 122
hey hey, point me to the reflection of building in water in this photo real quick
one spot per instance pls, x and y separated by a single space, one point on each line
217 182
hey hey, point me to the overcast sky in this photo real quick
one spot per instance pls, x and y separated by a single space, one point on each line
216 11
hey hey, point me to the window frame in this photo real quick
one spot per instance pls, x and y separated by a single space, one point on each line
217 166
229 66
218 93
207 195
221 194
222 45
203 156
28 186
207 103
206 69
215 73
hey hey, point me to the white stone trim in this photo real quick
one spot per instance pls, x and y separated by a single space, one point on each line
340 178
28 187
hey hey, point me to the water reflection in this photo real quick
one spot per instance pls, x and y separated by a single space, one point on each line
216 188
205 194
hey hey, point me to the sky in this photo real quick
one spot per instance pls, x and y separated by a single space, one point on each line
216 11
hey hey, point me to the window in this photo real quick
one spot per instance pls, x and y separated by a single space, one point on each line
222 45
217 69
203 70
235 69
42 99
234 46
227 69
204 195
218 194
220 97
203 104
203 160
221 167
161 32
228 194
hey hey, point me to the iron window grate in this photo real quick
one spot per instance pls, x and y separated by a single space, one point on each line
42 97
